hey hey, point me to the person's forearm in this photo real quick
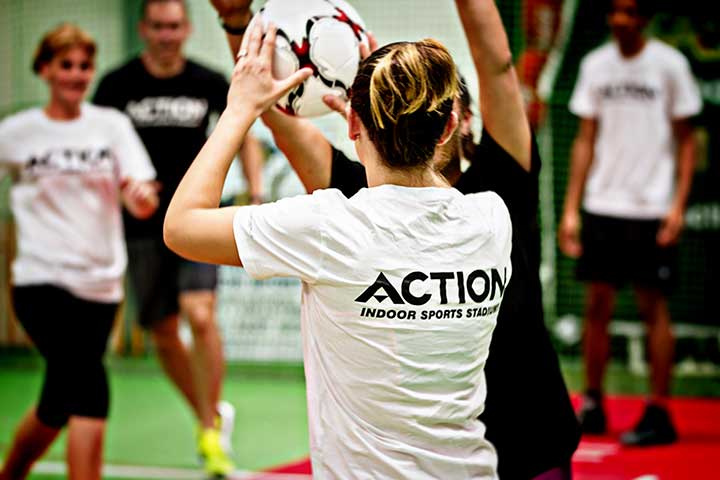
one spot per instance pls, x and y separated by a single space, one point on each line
686 151
486 35
238 19
501 103
251 158
581 159
304 145
583 150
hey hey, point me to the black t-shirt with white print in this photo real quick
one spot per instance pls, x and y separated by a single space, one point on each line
171 115
528 414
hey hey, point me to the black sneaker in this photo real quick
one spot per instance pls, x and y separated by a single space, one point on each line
654 428
592 417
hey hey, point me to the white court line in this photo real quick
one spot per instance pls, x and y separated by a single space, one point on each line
595 452
139 472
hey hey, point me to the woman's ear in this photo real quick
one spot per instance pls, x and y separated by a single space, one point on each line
353 124
466 122
450 127
43 71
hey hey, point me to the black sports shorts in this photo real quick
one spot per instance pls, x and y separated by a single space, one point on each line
158 276
620 251
71 334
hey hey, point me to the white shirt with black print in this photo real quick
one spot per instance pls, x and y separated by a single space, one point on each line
65 197
634 101
401 292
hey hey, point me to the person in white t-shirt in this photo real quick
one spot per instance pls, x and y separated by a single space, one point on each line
72 163
632 166
402 282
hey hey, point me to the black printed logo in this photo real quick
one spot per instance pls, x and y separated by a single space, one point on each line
167 112
479 286
69 161
628 90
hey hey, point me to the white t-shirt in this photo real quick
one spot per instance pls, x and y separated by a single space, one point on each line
65 198
394 344
634 101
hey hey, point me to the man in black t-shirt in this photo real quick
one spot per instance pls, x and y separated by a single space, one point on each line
528 413
170 101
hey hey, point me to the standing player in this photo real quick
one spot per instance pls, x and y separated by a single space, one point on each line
528 414
395 388
72 164
170 100
632 165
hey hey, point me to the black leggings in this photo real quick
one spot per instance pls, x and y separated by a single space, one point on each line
71 335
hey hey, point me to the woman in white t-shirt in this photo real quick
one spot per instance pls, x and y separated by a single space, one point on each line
71 163
401 283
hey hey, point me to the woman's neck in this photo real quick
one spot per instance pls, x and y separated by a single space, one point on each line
632 47
380 173
58 110
424 176
452 170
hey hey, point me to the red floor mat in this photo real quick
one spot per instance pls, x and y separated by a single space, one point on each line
695 456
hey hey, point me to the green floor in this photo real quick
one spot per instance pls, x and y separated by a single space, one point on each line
150 425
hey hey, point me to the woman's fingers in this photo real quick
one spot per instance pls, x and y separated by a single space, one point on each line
254 41
372 41
293 81
268 44
372 45
335 103
253 85
246 38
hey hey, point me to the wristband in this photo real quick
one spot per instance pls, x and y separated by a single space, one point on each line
233 30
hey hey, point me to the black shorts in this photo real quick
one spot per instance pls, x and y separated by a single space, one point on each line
71 334
158 276
59 323
620 251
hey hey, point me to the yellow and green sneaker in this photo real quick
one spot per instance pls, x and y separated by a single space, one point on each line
215 461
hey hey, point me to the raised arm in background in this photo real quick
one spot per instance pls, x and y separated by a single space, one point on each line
235 16
304 145
501 104
581 159
251 159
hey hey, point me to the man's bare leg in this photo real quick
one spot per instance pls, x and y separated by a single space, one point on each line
175 359
208 363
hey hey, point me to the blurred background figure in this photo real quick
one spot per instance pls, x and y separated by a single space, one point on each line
71 163
632 166
170 100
